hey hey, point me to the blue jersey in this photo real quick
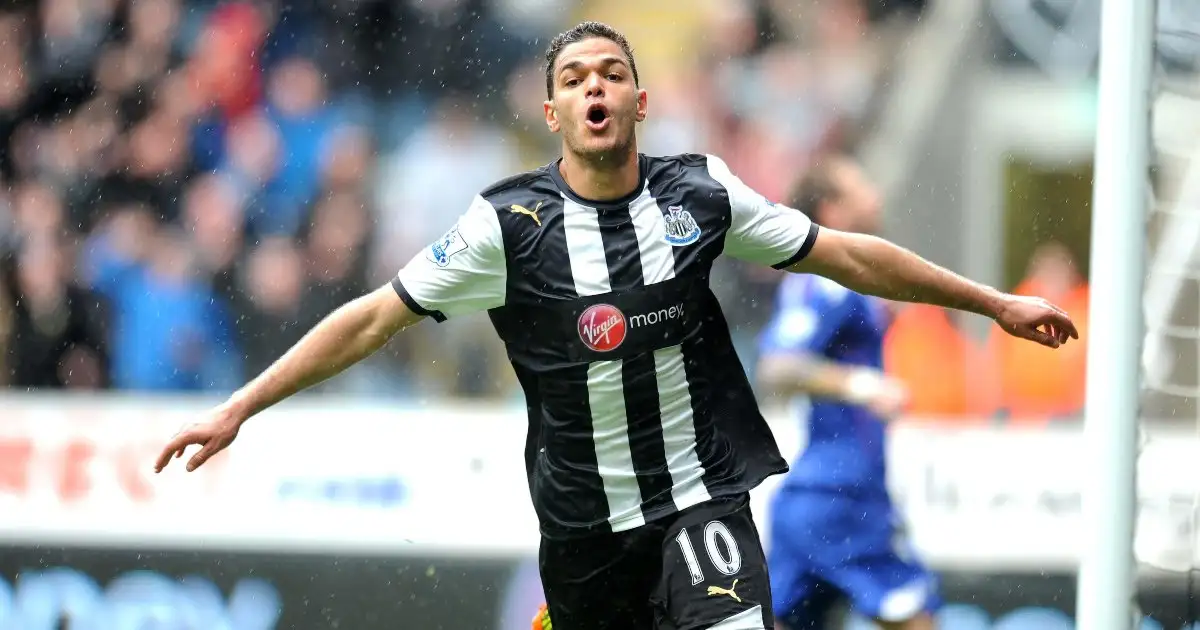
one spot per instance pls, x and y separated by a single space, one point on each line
834 531
818 317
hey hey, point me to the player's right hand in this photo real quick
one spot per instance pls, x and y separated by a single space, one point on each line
213 434
881 394
891 399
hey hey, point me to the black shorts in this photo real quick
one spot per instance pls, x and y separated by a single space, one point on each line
701 568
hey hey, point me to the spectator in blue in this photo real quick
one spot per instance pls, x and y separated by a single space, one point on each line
296 105
169 331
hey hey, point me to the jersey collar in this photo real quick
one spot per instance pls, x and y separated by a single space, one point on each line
643 171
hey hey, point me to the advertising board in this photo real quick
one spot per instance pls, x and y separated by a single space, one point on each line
327 511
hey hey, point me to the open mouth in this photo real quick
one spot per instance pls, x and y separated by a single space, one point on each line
597 117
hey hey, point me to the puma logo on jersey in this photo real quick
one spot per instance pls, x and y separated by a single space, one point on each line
527 212
731 591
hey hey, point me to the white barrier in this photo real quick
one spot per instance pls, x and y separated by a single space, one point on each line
334 476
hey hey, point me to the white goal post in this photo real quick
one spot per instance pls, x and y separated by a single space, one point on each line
1107 565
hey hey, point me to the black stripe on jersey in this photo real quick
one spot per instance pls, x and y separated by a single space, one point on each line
683 181
809 241
538 278
535 249
717 383
533 434
621 250
646 445
562 441
412 304
640 380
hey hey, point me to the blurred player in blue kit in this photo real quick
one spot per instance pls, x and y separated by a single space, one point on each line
834 534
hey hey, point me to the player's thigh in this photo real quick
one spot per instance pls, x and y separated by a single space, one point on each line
714 572
600 582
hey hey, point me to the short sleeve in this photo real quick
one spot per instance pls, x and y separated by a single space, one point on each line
761 231
463 272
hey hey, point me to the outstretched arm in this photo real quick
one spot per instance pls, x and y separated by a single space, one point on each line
462 272
873 266
771 234
345 337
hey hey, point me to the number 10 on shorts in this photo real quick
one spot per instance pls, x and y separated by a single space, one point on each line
728 560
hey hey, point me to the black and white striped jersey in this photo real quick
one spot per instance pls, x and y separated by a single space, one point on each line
638 405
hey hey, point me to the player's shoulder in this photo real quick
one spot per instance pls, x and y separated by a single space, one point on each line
520 187
683 171
679 161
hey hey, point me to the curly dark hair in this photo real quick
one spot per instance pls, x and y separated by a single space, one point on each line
578 33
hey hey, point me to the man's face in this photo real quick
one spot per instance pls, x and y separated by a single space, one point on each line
857 207
595 104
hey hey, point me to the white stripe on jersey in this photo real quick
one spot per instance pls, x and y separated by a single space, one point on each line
606 386
585 248
610 435
679 429
658 261
674 397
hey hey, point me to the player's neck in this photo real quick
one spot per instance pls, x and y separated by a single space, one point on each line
601 181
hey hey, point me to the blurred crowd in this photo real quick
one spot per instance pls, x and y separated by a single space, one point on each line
189 185
186 186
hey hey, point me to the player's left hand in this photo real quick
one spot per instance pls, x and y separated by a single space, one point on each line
1037 320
